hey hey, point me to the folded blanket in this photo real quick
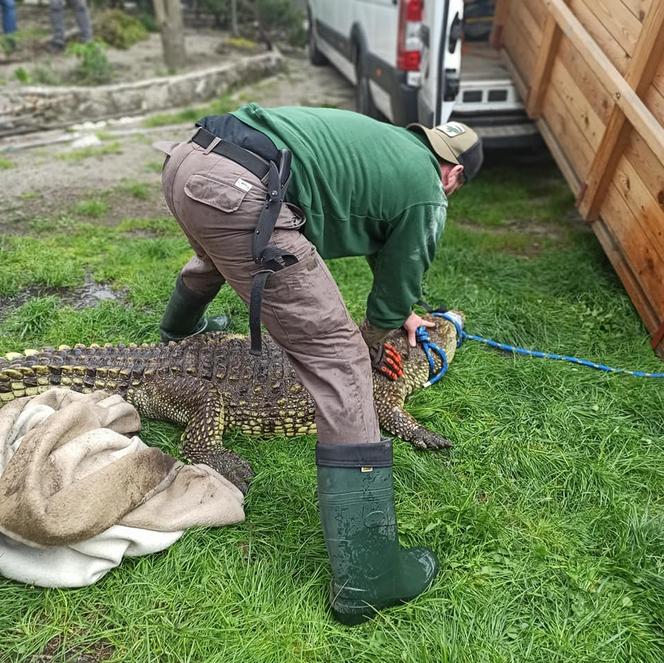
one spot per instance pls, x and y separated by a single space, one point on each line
71 478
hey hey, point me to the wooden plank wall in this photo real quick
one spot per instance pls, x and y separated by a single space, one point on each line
591 73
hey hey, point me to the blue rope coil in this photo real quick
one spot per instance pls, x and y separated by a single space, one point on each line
462 335
429 347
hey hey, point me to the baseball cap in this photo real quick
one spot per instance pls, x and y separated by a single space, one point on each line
455 142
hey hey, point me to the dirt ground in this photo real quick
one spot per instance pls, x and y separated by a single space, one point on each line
42 179
142 60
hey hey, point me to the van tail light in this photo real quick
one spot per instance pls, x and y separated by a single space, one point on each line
409 42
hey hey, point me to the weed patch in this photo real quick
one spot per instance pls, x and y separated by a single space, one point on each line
94 151
93 66
190 115
118 29
91 208
154 166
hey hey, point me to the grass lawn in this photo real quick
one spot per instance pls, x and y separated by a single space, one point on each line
547 516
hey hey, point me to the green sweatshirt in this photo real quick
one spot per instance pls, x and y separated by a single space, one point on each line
367 189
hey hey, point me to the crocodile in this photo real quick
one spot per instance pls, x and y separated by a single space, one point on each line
209 383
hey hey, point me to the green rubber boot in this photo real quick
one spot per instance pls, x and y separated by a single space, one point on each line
184 314
370 570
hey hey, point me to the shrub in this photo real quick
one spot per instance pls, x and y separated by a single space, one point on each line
93 65
22 75
272 19
119 30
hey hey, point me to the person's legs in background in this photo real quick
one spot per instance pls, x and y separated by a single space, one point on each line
9 25
82 14
57 13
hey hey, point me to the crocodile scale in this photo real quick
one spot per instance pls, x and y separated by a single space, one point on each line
210 383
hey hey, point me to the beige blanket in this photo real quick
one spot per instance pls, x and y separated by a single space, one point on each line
69 474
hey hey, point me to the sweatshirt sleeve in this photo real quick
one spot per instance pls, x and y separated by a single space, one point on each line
399 266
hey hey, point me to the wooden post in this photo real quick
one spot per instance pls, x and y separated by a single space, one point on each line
168 14
545 59
642 69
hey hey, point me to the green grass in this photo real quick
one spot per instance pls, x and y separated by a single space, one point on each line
547 517
95 151
154 166
138 190
94 208
190 115
6 164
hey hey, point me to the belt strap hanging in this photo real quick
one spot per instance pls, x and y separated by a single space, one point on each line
269 257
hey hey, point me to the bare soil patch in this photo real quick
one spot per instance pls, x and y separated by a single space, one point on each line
46 182
36 66
88 295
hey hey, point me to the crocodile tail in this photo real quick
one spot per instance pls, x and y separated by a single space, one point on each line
19 380
113 368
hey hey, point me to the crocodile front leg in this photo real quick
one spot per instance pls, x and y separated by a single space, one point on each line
198 406
398 422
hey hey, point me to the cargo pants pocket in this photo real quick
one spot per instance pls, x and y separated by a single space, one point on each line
215 193
305 301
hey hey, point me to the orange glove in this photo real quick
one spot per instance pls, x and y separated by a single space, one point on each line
389 363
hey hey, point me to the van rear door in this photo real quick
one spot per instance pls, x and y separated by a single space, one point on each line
442 24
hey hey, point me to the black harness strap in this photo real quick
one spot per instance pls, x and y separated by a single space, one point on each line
252 162
270 258
274 260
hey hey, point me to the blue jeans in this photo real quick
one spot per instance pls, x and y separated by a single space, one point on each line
8 16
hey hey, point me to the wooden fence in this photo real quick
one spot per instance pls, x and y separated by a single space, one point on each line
591 73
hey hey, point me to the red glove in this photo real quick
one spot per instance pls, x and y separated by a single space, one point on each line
390 363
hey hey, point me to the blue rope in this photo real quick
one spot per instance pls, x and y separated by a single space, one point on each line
463 335
429 347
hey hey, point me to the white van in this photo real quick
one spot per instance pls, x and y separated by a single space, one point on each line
409 63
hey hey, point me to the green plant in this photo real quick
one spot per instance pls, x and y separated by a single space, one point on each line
186 115
92 151
148 21
22 75
93 65
7 44
6 164
118 29
268 20
154 166
44 75
138 190
92 208
279 18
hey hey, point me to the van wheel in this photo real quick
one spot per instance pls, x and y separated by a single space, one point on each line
316 57
363 100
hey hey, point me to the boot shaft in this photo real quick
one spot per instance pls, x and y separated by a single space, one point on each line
370 570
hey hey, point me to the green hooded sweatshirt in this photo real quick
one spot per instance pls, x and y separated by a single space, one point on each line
367 189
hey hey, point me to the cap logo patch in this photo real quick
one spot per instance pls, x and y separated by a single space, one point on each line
452 129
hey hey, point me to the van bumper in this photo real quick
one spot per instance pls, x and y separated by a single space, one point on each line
513 131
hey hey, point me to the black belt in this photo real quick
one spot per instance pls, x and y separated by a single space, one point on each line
252 162
269 257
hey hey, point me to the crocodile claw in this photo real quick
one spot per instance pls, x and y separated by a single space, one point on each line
231 466
426 439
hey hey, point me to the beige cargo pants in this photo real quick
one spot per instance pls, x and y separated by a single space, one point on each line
217 202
